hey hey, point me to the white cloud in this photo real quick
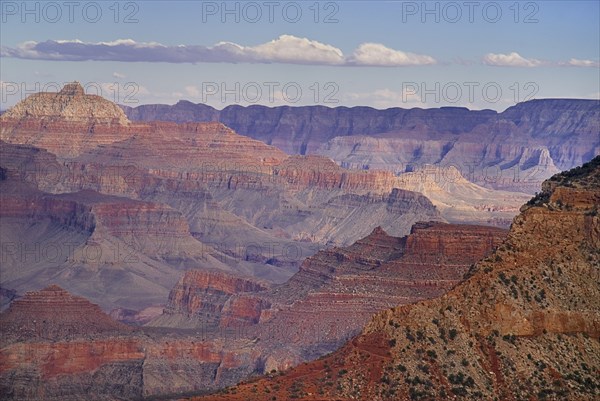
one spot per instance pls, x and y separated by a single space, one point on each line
192 91
285 49
581 63
291 49
513 59
375 54
118 75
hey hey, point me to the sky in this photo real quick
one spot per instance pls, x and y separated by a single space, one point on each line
475 54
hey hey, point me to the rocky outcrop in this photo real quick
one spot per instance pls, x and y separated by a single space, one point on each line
205 297
524 325
53 313
68 120
69 104
321 172
461 201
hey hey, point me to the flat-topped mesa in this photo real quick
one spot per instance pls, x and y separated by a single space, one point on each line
54 314
451 244
71 103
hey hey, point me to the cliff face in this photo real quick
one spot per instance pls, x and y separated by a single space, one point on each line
205 297
56 346
69 104
67 119
514 150
301 130
132 247
524 325
335 292
459 200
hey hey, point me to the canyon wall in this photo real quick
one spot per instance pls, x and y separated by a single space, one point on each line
525 323
523 145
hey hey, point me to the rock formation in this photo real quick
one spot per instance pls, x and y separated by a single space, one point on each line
70 120
58 346
459 200
335 292
53 313
523 145
524 325
69 104
203 298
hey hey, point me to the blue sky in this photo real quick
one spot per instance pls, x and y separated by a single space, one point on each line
375 53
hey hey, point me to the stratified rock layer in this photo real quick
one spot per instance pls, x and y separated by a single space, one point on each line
240 327
69 104
514 150
335 292
52 314
525 325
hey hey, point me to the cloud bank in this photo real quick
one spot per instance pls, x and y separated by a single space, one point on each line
286 49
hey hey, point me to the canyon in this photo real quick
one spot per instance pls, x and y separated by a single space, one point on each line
170 251
335 291
192 195
218 328
525 323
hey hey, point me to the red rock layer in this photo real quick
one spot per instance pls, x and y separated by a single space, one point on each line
90 211
322 172
57 346
207 294
336 291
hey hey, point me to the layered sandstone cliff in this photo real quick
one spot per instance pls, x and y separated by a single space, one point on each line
522 145
335 292
57 346
66 122
204 298
524 325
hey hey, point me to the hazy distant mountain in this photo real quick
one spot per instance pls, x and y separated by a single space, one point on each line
515 149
